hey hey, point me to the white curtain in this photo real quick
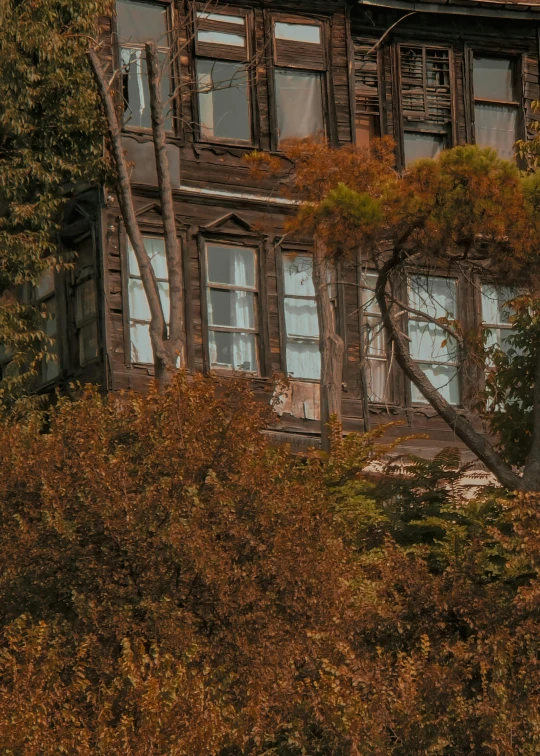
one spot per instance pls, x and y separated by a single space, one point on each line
495 126
299 104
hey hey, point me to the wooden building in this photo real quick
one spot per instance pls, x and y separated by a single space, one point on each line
431 74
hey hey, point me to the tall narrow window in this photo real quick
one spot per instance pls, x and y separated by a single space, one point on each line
299 59
376 358
426 101
139 310
433 349
86 320
44 296
140 22
496 104
302 356
496 314
222 76
366 79
231 294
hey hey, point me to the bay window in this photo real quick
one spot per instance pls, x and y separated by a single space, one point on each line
302 355
231 296
430 344
137 23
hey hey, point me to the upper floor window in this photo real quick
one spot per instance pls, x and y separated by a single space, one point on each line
298 80
496 314
366 79
222 75
139 310
302 355
430 345
137 23
376 358
496 104
426 101
231 296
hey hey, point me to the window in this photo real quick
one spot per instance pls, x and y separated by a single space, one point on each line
299 93
139 310
496 314
44 296
431 346
426 101
302 355
496 104
366 77
86 320
139 22
376 362
222 77
231 295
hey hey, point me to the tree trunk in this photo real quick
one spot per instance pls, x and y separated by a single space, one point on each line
330 344
163 363
173 250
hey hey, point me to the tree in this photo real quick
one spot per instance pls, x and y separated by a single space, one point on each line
51 142
466 208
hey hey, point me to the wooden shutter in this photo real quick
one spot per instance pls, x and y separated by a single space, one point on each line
366 78
297 54
425 84
221 50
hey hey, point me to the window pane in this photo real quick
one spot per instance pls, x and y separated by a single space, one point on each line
231 308
298 32
135 89
375 337
85 300
51 366
138 304
223 100
221 17
45 285
297 275
444 378
430 342
494 299
231 265
299 104
88 343
301 317
495 126
436 296
419 145
141 22
493 79
220 38
155 248
303 360
368 294
141 346
376 372
233 350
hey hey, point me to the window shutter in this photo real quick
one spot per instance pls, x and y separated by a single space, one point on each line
425 84
366 78
297 53
209 24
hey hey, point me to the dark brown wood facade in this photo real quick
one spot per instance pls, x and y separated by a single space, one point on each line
366 89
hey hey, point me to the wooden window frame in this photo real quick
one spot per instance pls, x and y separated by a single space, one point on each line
80 280
260 310
324 71
357 96
216 52
365 315
425 126
171 18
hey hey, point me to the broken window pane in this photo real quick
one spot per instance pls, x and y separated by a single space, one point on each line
301 320
223 100
298 32
420 145
140 22
135 88
299 104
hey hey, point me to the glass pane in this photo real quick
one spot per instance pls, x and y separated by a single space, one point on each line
141 346
223 100
303 360
375 337
88 343
155 248
231 265
418 146
445 380
495 126
136 92
85 300
499 337
51 366
299 104
433 295
141 22
494 299
221 17
493 79
233 350
138 303
368 294
298 32
301 317
430 342
45 285
376 375
297 275
49 325
231 308
220 38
